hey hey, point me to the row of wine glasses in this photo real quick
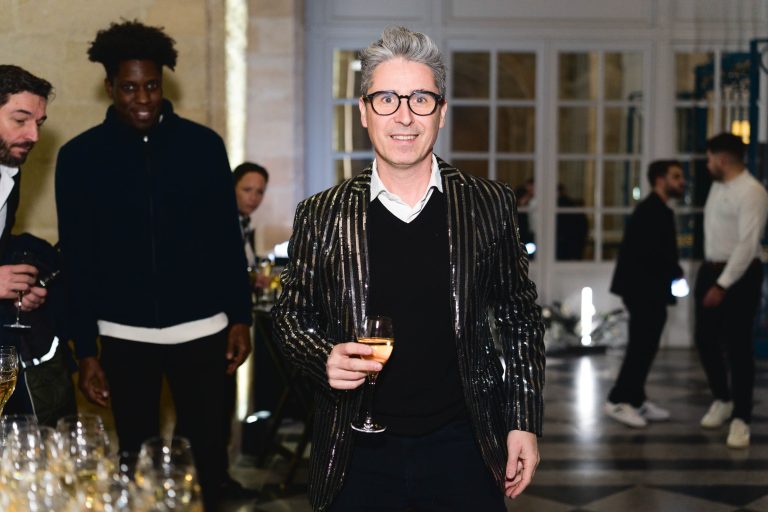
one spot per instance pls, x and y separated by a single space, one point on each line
73 467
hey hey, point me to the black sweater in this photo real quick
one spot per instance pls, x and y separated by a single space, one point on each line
419 389
148 227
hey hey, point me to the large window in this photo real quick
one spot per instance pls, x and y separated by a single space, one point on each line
711 96
600 111
493 116
352 150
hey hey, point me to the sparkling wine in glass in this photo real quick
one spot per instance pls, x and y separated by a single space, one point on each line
379 335
9 371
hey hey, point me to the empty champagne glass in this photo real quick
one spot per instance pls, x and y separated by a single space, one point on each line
166 475
18 258
379 335
9 371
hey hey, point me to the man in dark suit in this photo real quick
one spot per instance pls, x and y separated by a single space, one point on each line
646 266
23 102
417 240
44 387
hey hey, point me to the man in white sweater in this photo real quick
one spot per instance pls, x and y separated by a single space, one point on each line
728 286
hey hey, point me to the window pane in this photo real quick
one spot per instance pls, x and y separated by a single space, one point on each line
471 74
348 167
516 129
690 236
697 182
623 130
694 75
694 125
476 167
735 94
613 231
346 74
577 130
576 183
470 128
621 183
623 76
578 76
516 173
348 133
574 236
517 76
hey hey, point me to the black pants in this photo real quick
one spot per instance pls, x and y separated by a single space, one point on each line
724 336
646 322
442 471
196 375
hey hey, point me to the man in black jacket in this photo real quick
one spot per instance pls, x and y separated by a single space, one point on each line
150 238
646 266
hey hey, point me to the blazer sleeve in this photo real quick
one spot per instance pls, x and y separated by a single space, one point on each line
296 318
521 331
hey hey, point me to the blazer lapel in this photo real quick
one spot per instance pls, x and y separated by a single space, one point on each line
354 248
460 209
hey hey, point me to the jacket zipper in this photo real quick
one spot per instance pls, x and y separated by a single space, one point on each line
152 230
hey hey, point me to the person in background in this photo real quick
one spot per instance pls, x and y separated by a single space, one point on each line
435 249
153 251
728 286
645 268
250 186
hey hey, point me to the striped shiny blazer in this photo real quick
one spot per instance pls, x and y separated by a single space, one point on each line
324 296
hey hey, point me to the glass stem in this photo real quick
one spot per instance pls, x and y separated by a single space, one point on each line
18 309
370 384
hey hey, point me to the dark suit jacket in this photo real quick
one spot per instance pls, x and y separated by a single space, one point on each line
325 291
648 259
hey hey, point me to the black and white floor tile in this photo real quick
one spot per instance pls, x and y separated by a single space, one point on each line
590 463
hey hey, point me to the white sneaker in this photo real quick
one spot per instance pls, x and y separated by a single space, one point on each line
625 413
652 412
738 435
719 412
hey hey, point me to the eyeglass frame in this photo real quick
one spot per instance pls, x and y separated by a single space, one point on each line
439 100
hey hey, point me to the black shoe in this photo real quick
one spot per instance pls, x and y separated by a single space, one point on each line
231 489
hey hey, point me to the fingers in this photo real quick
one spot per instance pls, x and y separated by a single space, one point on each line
15 279
33 299
346 369
523 457
94 392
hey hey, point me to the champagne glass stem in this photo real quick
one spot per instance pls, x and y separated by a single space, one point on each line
18 308
370 388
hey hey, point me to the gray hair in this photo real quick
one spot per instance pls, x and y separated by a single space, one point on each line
401 42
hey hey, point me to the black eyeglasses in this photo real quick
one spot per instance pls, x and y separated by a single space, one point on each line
421 103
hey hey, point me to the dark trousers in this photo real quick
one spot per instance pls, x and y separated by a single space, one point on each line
441 471
724 336
646 322
196 375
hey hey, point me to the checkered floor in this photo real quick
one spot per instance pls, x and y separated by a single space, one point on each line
593 464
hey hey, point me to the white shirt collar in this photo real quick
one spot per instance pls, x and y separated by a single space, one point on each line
377 187
397 206
6 186
8 171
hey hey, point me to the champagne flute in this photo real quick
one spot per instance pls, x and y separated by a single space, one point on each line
378 335
9 371
18 258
